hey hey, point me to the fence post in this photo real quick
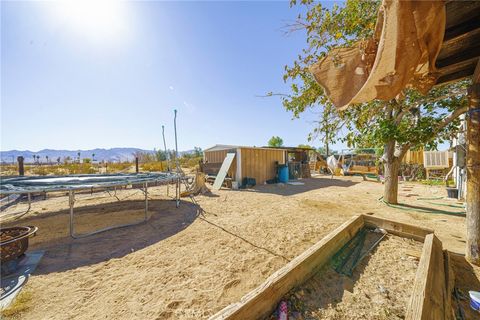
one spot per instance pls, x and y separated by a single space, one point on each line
21 168
136 164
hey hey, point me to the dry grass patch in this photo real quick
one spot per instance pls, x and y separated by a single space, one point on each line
21 304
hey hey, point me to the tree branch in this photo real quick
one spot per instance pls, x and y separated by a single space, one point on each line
454 115
273 94
403 151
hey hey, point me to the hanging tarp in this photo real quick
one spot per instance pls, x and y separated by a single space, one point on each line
402 53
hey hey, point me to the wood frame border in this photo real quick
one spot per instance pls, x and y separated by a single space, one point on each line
429 298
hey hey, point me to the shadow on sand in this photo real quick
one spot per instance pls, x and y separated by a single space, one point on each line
308 185
427 210
64 253
465 280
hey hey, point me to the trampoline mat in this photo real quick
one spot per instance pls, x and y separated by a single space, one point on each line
76 182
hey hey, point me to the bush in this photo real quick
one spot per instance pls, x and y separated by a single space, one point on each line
119 167
154 166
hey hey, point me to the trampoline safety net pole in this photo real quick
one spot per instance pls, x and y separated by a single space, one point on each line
167 156
177 193
71 202
146 199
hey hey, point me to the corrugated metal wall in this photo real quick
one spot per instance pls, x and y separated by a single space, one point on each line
260 163
218 157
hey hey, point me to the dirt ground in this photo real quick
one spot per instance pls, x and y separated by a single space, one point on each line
190 262
379 287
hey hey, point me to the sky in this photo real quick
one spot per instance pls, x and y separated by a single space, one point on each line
104 74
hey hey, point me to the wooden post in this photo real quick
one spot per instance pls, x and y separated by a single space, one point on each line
136 164
473 172
21 168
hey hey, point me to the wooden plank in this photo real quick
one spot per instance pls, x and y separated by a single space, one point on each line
450 285
458 12
398 228
427 301
459 43
223 171
260 302
476 74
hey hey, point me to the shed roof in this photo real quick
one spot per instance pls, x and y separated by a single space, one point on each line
220 147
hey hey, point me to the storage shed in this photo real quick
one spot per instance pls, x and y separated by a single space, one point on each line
249 162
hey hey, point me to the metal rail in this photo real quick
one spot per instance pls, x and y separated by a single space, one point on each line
71 198
71 201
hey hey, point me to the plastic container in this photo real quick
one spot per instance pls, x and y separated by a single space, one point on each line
452 193
474 300
283 173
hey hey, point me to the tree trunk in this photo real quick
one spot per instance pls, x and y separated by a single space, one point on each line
473 176
390 191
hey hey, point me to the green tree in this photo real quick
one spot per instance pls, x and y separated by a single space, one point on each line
306 146
160 155
197 152
396 125
275 141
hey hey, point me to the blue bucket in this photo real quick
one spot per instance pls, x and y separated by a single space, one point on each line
474 300
283 173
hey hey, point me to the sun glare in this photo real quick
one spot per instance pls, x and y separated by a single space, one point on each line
99 21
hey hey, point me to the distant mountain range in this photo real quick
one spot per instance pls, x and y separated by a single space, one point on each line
112 155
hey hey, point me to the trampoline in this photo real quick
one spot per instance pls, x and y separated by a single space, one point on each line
72 183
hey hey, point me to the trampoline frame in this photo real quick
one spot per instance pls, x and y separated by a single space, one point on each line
71 200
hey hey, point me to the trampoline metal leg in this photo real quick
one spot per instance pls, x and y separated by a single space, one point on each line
177 194
71 198
71 202
146 200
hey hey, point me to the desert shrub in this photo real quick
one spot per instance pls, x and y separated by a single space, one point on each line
190 162
154 166
8 169
76 168
119 167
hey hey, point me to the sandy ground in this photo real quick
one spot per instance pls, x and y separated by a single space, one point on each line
379 287
185 264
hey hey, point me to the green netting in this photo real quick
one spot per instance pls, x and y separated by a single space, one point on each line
352 253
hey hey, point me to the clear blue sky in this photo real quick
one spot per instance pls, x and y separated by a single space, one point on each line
109 75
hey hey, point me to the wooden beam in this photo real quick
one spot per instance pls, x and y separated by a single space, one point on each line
464 53
261 302
459 43
473 172
449 286
467 64
458 12
456 76
428 298
398 228
465 27
476 73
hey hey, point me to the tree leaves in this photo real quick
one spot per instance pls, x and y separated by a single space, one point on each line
414 120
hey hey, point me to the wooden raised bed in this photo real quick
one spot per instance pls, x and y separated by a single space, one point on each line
430 298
